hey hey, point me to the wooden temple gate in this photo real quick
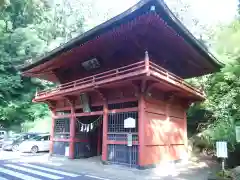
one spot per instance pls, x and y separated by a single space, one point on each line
101 130
111 135
132 66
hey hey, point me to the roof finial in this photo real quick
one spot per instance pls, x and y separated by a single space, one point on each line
152 8
146 55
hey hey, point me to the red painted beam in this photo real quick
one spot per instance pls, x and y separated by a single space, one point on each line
97 113
68 140
164 144
90 113
123 110
99 103
121 142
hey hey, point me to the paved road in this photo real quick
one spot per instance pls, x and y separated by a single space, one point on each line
34 171
18 166
27 171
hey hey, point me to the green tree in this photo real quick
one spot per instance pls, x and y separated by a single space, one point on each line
222 88
29 28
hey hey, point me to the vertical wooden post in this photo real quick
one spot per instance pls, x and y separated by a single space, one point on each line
99 140
141 123
72 132
185 105
168 155
105 130
146 61
185 130
53 110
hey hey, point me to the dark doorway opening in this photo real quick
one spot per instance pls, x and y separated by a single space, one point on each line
89 132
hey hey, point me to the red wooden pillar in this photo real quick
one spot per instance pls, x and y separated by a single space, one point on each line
52 131
168 135
185 130
141 122
99 140
141 115
105 127
72 132
185 105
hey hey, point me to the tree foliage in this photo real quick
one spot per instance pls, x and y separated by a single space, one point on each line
222 89
29 28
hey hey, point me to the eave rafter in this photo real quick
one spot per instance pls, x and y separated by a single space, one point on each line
51 104
70 100
101 93
150 86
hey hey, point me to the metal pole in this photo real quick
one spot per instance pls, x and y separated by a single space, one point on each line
130 160
223 166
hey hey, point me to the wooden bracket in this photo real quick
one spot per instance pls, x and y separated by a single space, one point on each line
140 86
101 93
186 103
170 96
136 87
70 100
51 104
143 86
150 86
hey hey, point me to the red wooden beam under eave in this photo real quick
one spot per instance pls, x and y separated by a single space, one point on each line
68 140
121 142
100 103
160 80
134 109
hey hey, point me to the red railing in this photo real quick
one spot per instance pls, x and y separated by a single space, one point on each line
119 73
96 79
173 78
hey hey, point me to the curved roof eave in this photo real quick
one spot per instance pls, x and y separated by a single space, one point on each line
189 34
116 21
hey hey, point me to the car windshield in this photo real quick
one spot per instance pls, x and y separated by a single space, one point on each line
36 138
20 138
24 137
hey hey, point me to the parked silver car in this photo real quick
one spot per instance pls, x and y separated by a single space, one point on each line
36 144
13 143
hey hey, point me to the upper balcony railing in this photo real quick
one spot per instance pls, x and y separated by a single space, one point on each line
120 73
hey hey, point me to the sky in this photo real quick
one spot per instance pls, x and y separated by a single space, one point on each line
211 11
208 12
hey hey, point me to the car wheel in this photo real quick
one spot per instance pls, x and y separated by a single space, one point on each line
15 148
34 149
